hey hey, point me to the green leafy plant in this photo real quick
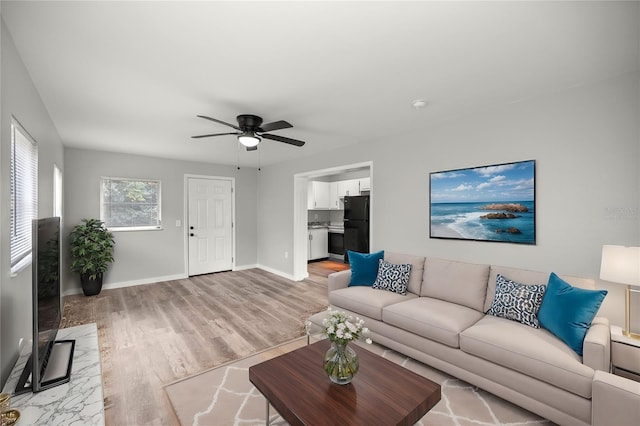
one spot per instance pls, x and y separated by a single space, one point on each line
91 248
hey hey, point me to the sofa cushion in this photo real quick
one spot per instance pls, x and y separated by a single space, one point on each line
534 352
567 311
366 301
457 282
392 277
434 319
524 276
364 267
417 268
517 302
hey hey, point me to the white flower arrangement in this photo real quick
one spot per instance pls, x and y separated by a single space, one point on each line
342 328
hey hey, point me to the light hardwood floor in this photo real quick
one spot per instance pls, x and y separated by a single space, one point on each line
152 335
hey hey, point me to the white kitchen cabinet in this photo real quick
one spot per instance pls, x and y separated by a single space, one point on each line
318 195
365 184
318 243
348 187
334 200
327 195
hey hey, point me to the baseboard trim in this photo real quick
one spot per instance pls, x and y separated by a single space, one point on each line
277 272
245 267
144 281
121 284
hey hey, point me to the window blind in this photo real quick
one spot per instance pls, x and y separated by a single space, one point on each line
24 193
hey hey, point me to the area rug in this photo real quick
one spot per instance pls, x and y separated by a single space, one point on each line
224 396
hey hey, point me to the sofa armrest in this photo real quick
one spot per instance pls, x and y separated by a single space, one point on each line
339 280
615 400
596 348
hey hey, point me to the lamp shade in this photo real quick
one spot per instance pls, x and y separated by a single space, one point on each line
620 264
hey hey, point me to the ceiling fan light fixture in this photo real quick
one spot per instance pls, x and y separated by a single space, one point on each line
247 129
249 139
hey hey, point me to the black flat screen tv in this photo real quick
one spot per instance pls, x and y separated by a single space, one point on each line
50 362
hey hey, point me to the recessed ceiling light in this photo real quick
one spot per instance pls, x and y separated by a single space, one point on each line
419 103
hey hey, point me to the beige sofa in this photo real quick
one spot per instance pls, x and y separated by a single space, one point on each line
441 321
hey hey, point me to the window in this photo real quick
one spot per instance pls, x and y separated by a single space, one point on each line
24 194
57 191
130 204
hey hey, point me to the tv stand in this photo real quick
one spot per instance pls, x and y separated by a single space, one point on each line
56 371
80 400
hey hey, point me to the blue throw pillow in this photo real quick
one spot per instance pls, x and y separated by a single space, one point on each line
567 311
364 267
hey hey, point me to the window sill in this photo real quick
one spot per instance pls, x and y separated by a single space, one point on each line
136 228
18 267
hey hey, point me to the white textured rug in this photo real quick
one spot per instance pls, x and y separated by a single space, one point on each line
225 396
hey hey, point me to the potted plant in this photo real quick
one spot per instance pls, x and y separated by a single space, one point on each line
91 253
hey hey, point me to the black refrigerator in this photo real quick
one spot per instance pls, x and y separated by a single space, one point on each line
356 224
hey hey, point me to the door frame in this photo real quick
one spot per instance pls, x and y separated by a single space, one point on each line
300 182
185 216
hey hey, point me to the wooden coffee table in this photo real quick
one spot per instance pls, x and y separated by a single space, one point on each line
382 392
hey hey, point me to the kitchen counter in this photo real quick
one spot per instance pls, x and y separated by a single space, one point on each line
338 228
317 225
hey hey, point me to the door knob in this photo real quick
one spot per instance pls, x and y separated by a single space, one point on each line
191 227
192 234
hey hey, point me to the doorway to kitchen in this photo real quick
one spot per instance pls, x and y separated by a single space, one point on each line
319 198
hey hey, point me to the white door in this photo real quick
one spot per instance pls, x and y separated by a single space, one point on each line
210 226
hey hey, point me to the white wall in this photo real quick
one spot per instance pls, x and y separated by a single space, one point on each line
150 256
585 141
20 99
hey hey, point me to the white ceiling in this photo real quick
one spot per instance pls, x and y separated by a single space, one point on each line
132 76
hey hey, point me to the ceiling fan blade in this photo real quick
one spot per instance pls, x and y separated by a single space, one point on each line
214 134
282 139
219 121
276 125
252 148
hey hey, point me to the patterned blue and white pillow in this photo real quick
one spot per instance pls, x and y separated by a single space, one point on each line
517 302
392 277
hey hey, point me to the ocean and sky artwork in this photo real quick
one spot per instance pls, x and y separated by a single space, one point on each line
488 203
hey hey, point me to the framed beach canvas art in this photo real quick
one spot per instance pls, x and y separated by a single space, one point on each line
487 203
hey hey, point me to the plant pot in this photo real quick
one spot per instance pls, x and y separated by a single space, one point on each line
91 287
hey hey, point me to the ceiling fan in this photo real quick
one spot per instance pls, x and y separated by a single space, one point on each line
250 131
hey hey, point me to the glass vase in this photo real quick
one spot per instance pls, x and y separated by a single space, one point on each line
341 363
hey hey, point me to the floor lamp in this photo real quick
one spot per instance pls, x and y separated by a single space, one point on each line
622 265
